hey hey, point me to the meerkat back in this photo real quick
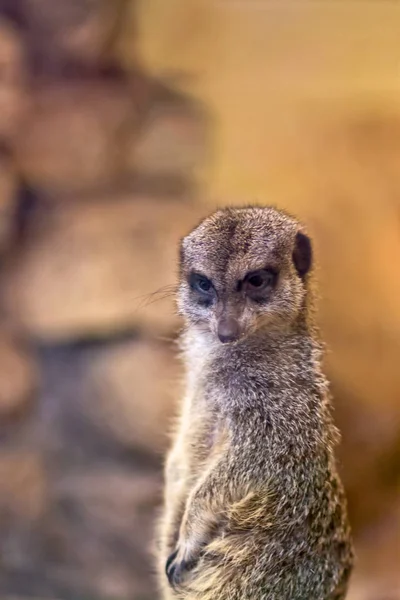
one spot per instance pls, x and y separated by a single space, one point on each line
254 507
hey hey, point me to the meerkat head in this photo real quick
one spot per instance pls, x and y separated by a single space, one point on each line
243 270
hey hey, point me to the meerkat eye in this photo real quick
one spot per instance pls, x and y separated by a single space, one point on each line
200 283
260 280
256 281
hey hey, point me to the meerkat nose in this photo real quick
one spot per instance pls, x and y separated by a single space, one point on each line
228 330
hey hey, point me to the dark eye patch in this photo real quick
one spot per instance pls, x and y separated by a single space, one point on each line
257 284
202 285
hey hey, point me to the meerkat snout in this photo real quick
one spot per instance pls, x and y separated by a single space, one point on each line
228 330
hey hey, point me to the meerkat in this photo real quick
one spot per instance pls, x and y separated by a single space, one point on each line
254 507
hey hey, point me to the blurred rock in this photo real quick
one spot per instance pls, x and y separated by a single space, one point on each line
172 143
372 590
8 191
23 486
369 454
100 531
79 32
18 378
134 389
13 99
100 267
377 576
72 138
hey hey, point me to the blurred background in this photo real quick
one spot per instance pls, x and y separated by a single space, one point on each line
122 122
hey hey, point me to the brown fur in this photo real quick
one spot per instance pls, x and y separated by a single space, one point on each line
254 508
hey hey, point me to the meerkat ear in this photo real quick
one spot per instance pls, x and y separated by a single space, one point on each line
302 253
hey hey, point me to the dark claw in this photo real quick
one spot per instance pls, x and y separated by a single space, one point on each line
168 565
176 571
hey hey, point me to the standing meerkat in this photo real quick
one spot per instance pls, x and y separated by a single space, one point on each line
254 507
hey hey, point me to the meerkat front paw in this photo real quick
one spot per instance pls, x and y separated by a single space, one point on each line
199 525
178 566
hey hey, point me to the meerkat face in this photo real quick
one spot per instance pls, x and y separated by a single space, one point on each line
242 270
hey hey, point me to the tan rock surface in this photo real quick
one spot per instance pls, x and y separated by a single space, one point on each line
100 267
23 486
8 189
172 142
18 378
13 98
377 573
114 510
135 389
78 31
72 138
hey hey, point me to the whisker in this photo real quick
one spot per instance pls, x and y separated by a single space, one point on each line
171 288
158 299
167 291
